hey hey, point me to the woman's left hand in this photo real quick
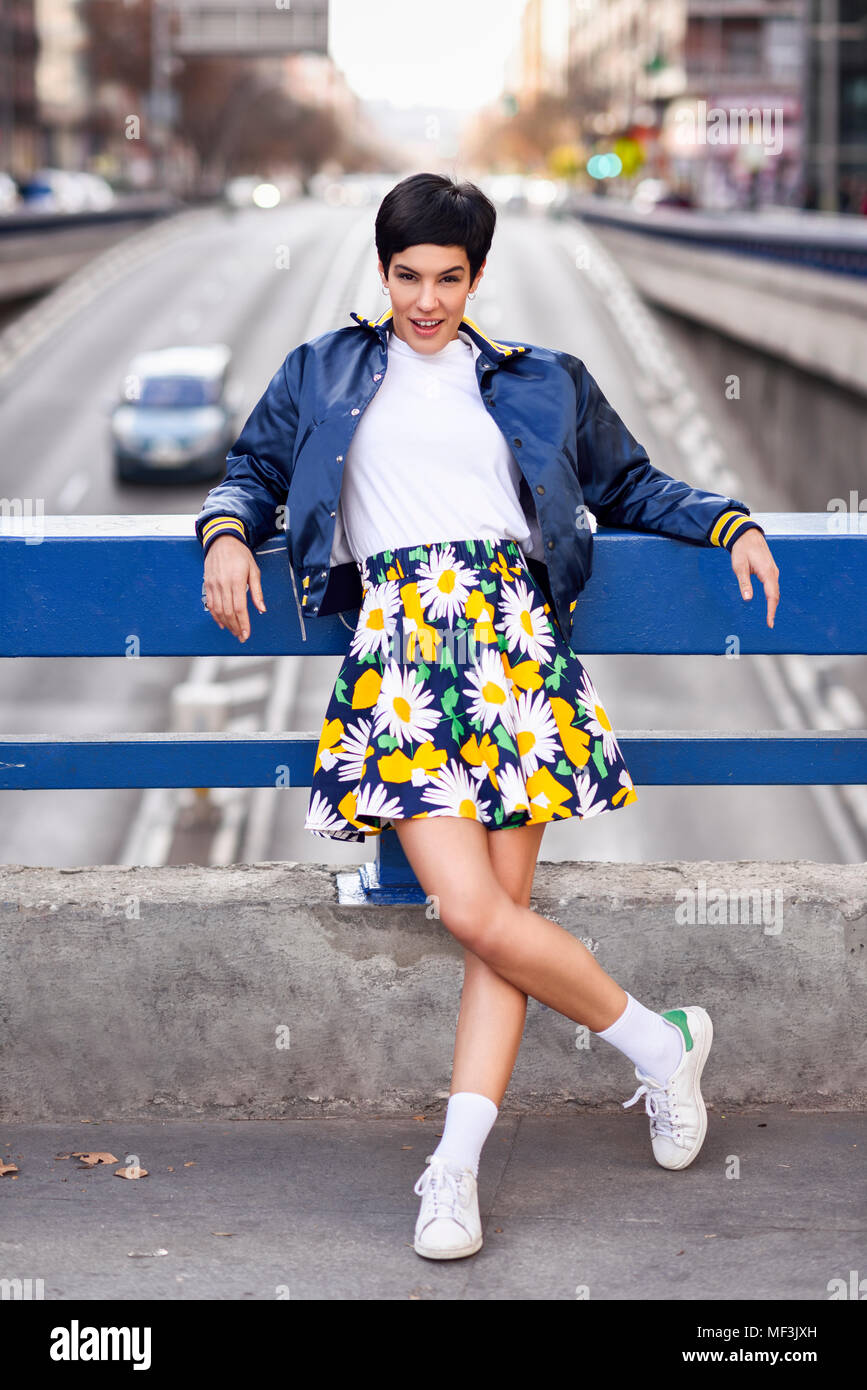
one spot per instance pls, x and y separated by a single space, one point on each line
751 555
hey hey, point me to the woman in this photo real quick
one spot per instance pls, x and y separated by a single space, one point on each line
461 715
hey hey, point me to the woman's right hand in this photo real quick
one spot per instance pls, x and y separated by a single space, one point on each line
230 567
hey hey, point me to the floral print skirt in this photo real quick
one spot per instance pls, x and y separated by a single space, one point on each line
460 696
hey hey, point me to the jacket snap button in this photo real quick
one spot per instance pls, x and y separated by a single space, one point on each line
550 545
315 608
517 441
331 513
377 376
339 458
539 489
354 410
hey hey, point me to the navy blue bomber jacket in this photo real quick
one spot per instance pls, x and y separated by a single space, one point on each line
284 471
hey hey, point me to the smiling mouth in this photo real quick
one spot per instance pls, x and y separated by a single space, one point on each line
426 323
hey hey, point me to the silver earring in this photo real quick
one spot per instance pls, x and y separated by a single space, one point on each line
472 296
385 289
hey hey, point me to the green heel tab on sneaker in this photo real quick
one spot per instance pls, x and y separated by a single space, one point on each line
678 1017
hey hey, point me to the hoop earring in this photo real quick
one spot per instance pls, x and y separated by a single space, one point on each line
385 289
472 296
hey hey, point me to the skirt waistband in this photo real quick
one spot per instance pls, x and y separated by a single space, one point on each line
471 551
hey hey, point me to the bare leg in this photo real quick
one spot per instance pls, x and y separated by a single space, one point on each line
450 858
493 1011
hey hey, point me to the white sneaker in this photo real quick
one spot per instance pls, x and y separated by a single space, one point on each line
448 1224
678 1118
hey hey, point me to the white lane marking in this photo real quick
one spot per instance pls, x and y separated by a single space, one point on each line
72 492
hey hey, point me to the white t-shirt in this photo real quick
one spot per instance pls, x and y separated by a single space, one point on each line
427 462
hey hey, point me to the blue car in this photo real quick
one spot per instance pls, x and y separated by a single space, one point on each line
176 418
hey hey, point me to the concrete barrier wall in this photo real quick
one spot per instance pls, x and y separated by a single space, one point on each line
796 339
249 992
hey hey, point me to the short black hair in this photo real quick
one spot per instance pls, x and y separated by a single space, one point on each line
431 208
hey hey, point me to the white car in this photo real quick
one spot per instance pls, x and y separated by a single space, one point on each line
66 190
176 414
8 192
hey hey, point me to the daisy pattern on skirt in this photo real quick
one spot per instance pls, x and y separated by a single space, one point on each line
454 794
525 623
627 791
444 584
375 801
597 722
402 706
491 691
535 730
377 620
321 819
353 751
585 792
500 732
512 789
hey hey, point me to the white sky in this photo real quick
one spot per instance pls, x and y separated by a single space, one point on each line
424 52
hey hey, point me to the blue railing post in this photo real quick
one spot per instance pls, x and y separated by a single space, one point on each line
388 879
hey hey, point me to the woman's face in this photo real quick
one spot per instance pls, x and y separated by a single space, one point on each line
429 282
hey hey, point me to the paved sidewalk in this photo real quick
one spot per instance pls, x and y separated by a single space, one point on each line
324 1209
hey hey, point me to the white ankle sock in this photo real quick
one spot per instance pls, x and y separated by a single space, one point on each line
651 1042
469 1119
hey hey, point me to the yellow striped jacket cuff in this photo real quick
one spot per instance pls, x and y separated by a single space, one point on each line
730 526
222 526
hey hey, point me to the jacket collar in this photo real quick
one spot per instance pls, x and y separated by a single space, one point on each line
497 352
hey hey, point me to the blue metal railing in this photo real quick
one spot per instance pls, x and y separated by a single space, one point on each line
131 587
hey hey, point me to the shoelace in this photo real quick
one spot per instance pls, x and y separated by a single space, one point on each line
658 1103
442 1186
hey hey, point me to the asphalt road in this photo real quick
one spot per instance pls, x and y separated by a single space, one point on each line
573 1207
221 282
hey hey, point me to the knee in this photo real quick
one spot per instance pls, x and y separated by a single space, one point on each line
477 921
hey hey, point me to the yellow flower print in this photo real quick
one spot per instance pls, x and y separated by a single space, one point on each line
332 733
576 742
366 690
476 754
627 791
397 767
525 675
548 797
502 566
418 633
477 608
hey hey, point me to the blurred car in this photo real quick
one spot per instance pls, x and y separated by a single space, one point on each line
656 193
176 416
540 193
508 190
8 192
250 191
66 190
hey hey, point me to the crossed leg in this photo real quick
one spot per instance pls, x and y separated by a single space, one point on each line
493 1011
451 859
